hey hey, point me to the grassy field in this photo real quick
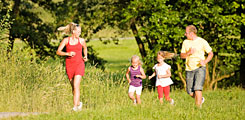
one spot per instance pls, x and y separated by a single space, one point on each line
118 56
30 87
221 104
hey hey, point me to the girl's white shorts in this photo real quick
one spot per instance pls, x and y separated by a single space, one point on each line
132 89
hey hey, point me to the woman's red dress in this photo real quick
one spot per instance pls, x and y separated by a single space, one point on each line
75 64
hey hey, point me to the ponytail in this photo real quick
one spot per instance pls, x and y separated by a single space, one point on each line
68 29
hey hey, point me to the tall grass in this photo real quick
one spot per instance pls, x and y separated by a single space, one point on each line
28 86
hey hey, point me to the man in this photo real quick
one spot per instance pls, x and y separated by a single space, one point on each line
193 50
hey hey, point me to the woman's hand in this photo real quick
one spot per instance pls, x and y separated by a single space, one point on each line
71 54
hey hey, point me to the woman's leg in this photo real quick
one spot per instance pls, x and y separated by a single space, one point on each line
72 86
76 90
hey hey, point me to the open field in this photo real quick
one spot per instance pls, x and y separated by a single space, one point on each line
118 56
30 87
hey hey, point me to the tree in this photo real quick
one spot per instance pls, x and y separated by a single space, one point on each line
160 25
5 20
30 28
35 22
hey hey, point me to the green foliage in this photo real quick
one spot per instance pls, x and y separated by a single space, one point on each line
156 25
30 28
5 21
35 22
161 26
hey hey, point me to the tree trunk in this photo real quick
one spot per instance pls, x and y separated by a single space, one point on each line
14 15
180 72
138 39
242 64
207 77
240 11
208 83
147 38
216 85
214 81
219 79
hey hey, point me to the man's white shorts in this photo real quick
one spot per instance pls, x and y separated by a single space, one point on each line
132 89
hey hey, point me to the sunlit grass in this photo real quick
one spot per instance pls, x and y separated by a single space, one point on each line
118 56
30 87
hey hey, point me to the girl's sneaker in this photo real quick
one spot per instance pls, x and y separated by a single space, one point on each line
172 102
74 109
80 106
135 102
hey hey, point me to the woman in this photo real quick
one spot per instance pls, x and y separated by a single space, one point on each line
74 61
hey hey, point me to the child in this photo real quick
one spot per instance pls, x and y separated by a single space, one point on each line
135 79
163 80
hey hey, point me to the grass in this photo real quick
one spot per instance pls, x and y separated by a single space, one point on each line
118 56
30 87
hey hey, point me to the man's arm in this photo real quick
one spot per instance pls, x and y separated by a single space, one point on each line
210 56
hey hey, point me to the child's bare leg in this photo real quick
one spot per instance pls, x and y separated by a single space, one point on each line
161 100
168 98
131 96
138 99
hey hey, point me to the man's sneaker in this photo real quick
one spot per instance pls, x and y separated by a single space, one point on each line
80 106
74 109
203 99
172 102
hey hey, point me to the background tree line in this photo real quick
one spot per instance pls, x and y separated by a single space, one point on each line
155 24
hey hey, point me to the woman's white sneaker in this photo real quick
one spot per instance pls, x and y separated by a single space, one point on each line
80 106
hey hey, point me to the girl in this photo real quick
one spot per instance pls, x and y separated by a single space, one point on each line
74 61
162 71
135 80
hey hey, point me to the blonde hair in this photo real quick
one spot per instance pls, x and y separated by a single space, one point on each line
192 28
68 29
166 54
135 57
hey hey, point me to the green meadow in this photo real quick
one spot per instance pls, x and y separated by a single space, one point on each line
28 86
117 55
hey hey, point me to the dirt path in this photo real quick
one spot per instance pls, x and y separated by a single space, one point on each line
12 114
